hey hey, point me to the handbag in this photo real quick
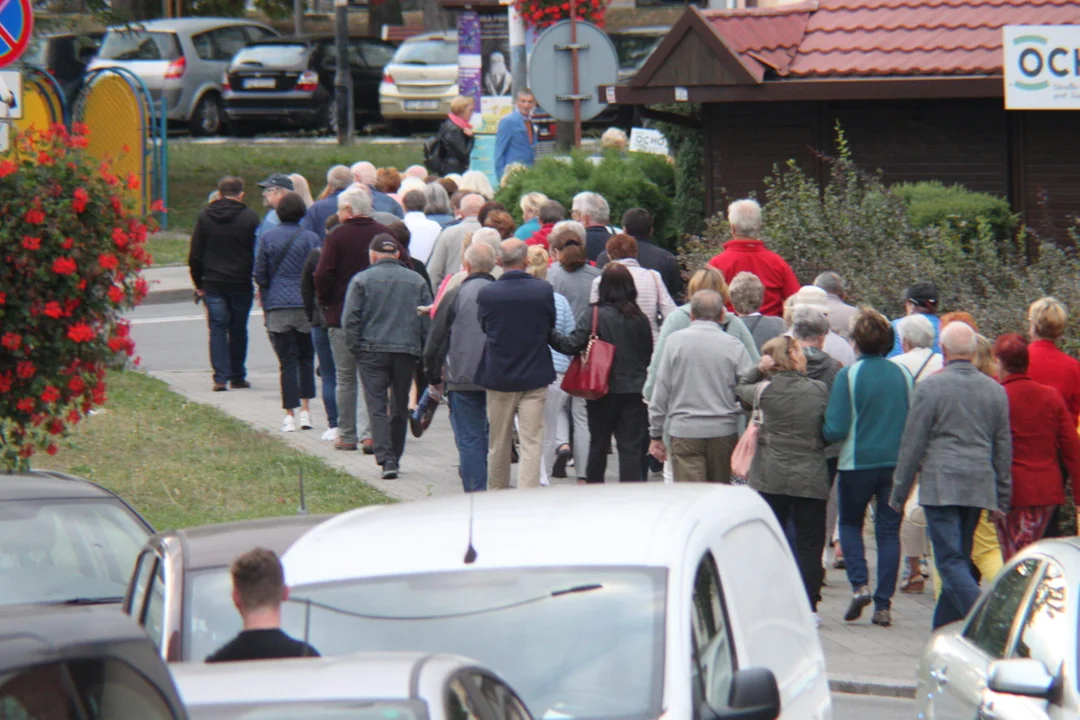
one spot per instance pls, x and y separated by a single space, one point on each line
743 455
590 370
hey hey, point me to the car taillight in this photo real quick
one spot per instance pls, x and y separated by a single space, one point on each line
307 81
225 82
175 69
388 78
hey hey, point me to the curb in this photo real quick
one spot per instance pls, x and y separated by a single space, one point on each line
877 688
164 297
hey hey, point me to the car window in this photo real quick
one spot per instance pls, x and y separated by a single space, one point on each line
112 690
154 619
139 45
37 693
714 661
459 704
501 701
144 569
992 623
274 55
330 57
204 45
228 41
376 54
256 33
1044 635
426 52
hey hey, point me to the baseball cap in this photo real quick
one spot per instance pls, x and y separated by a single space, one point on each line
277 180
385 244
923 294
813 297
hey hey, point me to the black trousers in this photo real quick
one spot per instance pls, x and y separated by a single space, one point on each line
808 515
296 363
625 415
382 374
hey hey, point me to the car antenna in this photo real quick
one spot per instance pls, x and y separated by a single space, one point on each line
470 552
302 510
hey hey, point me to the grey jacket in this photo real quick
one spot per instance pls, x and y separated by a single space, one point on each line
574 286
764 328
695 383
456 341
790 457
957 440
446 255
380 314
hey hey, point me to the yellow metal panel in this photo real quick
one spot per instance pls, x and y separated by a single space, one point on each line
39 104
118 132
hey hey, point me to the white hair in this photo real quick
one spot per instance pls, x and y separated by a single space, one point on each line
411 183
339 177
574 225
916 331
357 199
471 204
490 237
745 218
614 138
808 323
531 203
592 205
481 257
476 182
416 171
438 202
959 340
364 172
455 177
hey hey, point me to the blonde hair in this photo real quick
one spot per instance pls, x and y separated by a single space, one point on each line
983 359
779 349
709 278
538 262
477 182
410 183
461 104
614 139
301 188
1048 318
530 203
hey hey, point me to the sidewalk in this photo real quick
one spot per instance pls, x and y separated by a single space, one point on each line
168 284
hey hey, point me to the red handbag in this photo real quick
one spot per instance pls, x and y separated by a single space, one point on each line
589 372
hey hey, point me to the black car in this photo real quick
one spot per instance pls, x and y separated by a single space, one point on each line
85 662
290 81
65 56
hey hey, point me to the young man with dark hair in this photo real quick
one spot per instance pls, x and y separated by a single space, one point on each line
258 591
638 224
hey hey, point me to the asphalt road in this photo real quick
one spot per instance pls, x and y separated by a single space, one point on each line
865 707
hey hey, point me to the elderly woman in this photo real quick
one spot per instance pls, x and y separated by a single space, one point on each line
622 411
614 139
530 205
502 221
789 467
388 181
301 188
747 293
1047 319
477 182
455 137
652 295
279 275
437 204
1043 438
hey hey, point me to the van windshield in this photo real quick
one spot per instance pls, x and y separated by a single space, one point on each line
139 45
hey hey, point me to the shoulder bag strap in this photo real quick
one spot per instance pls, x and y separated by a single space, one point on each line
755 415
925 363
757 319
595 318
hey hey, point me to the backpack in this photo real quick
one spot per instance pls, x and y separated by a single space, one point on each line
433 153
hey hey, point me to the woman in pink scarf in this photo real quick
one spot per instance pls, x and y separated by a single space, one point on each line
455 138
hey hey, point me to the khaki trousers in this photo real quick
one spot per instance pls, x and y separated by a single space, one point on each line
703 459
501 408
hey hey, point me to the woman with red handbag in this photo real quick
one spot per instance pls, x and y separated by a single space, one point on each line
615 342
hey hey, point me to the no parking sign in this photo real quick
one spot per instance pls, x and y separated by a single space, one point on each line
16 26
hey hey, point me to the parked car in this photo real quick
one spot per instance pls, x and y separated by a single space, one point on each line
421 80
182 60
1015 655
181 591
400 686
291 81
593 602
87 662
65 540
65 56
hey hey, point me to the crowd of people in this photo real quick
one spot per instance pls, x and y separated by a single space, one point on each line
392 284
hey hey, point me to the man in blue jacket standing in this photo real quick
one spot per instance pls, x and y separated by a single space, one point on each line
516 139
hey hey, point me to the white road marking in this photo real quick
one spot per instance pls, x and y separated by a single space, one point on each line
182 318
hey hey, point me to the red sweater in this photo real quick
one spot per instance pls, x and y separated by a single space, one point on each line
1044 438
1049 366
540 237
773 271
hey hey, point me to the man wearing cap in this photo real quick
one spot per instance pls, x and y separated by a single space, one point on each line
811 296
919 299
385 333
273 189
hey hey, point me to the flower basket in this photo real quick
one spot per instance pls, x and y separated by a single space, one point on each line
72 250
542 14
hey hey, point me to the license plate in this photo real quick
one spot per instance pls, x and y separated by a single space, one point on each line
421 104
256 83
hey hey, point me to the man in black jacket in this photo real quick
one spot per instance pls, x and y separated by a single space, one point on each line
638 223
221 258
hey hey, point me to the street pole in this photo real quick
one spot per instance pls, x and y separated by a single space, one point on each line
518 58
298 17
343 87
574 62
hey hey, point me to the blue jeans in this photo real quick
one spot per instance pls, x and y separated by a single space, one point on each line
951 529
856 489
468 418
227 315
327 372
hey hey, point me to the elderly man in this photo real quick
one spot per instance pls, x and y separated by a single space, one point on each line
365 174
451 357
957 440
919 299
338 179
592 210
840 313
416 171
345 253
703 425
515 141
744 252
516 313
747 294
483 236
638 224
446 257
816 298
274 188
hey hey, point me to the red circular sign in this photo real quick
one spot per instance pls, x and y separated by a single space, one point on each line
16 27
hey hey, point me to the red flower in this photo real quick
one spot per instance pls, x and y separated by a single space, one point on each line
108 261
79 142
3 298
81 199
77 385
64 266
50 395
120 238
52 449
34 216
68 243
31 243
117 205
7 168
5 381
133 182
53 310
25 369
80 129
116 294
56 427
141 287
26 405
98 394
71 303
158 206
80 332
81 285
11 341
26 451
74 417
45 158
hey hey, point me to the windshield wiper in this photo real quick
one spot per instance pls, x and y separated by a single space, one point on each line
578 589
87 601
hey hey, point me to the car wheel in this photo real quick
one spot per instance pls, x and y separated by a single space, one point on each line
208 117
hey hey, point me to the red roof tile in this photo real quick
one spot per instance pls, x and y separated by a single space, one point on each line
837 38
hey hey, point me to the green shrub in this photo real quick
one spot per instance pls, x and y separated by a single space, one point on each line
688 212
933 204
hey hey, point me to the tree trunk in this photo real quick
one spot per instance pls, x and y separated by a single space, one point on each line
435 17
384 12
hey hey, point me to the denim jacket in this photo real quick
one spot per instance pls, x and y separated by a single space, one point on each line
380 310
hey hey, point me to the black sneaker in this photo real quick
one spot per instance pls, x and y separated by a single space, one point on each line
514 457
562 456
240 384
882 617
389 470
859 600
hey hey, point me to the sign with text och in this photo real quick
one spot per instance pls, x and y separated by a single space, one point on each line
648 141
1042 67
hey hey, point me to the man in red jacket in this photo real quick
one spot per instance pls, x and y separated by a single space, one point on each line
744 252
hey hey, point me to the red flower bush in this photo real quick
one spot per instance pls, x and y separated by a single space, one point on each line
542 14
73 255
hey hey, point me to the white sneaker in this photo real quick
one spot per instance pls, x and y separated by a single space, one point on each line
305 420
817 620
288 425
330 435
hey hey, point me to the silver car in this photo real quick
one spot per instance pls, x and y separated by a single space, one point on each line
1014 657
420 81
182 60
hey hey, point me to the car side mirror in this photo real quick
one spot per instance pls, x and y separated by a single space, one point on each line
1020 676
754 696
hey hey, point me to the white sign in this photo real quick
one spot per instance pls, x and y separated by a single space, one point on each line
648 141
682 94
11 95
1042 67
609 94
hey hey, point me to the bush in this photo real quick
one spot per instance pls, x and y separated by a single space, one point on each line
688 213
954 207
73 254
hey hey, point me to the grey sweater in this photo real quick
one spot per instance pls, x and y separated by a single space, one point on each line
695 383
957 440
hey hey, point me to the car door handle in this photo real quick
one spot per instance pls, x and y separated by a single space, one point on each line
939 675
